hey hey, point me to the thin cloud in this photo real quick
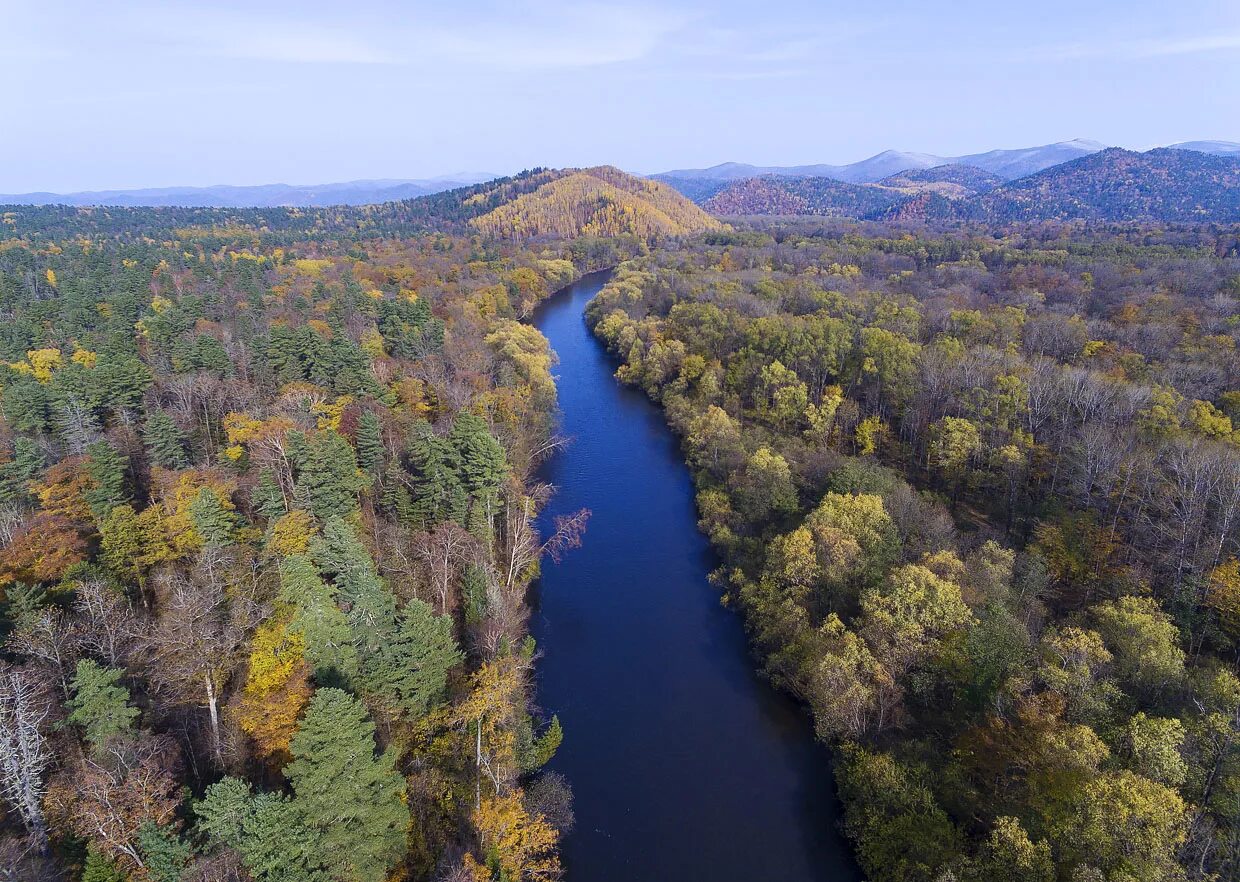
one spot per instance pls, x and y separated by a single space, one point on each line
1159 47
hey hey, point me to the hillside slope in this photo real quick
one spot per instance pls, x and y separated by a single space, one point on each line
602 201
1163 185
788 196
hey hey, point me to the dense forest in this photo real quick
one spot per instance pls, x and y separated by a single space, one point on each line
267 506
1112 185
978 499
268 493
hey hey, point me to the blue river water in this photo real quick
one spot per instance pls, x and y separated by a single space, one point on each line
684 763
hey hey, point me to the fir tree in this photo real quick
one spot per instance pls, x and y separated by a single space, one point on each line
18 472
267 499
424 652
266 830
352 800
106 469
370 448
396 500
164 441
481 467
100 705
329 639
100 868
212 521
328 480
437 492
165 853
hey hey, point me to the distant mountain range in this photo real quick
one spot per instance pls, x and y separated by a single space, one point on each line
702 183
261 196
1166 185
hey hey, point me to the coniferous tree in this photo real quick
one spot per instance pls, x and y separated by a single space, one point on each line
164 441
166 854
18 472
370 448
328 479
396 500
265 829
329 639
100 705
100 868
336 775
267 499
106 468
212 521
481 467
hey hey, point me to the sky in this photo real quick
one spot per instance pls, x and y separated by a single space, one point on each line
124 94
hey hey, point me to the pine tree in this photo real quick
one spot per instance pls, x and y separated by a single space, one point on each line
164 441
425 652
266 830
165 853
481 467
18 472
437 491
336 776
267 498
328 479
370 449
100 868
212 521
317 618
396 500
106 468
100 705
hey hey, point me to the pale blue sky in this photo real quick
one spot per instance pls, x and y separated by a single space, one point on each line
117 93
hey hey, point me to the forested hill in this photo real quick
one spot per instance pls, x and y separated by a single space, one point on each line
1167 186
601 201
1112 186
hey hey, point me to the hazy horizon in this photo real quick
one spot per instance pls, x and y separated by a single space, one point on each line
137 95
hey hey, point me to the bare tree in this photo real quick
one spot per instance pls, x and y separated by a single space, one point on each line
24 754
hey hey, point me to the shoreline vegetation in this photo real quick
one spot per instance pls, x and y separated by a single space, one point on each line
268 507
976 498
267 499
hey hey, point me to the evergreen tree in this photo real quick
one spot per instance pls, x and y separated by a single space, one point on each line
26 406
266 830
437 491
350 799
164 441
100 705
370 448
396 500
166 854
212 521
106 468
329 639
424 652
267 499
481 467
328 480
100 868
18 472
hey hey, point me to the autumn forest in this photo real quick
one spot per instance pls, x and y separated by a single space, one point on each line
273 516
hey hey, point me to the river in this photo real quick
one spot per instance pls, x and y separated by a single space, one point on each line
685 764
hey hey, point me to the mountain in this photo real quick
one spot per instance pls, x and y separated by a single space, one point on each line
1007 164
827 197
786 196
1163 185
261 196
1217 148
952 181
602 201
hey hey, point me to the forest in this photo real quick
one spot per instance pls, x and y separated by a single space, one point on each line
267 507
976 495
269 485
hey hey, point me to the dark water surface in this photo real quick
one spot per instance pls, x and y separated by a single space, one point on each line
685 765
